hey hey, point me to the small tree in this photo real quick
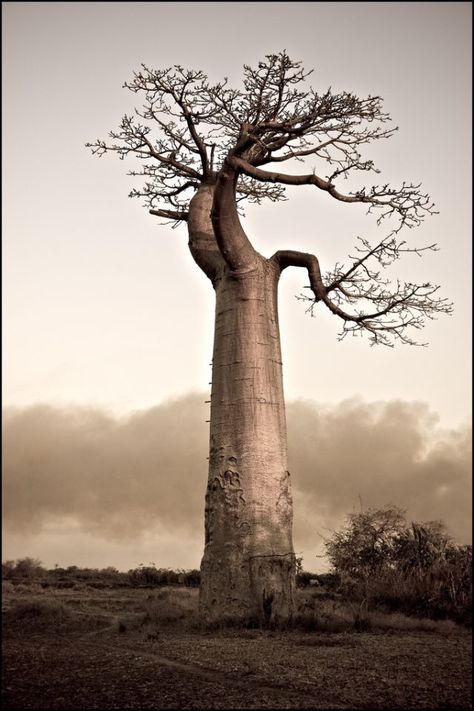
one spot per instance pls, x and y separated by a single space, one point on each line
421 546
368 544
28 567
201 150
417 567
436 570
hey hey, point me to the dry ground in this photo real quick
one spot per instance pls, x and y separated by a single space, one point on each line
141 649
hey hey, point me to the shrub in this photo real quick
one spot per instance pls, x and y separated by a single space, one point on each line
150 575
22 568
37 616
192 578
314 614
415 569
170 608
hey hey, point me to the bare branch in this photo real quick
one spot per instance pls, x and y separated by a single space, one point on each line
407 202
408 305
195 139
181 86
275 118
174 217
256 191
385 252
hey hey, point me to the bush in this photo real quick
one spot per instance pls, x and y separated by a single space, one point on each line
37 616
192 578
150 575
416 568
27 568
170 608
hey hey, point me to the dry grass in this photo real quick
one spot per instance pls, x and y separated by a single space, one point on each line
175 608
39 614
317 614
152 612
50 618
74 645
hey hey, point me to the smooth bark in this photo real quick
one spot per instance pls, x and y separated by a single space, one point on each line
248 567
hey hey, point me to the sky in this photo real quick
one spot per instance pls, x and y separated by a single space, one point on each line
107 322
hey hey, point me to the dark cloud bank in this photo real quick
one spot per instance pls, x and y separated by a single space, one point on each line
120 477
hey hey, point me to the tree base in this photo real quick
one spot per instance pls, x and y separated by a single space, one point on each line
258 591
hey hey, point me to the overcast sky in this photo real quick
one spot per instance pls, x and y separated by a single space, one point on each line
105 310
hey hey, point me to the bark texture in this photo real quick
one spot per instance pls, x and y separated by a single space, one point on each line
247 571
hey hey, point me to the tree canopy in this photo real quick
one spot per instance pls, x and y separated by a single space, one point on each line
188 131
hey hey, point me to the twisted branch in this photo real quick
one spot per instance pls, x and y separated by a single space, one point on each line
409 305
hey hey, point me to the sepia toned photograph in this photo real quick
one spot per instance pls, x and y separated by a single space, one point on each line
237 361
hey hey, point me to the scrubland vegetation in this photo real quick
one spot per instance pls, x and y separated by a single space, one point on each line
320 607
383 562
32 570
380 564
387 628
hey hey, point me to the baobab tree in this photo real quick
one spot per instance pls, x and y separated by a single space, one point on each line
201 150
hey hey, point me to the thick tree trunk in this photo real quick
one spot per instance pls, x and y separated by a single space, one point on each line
248 567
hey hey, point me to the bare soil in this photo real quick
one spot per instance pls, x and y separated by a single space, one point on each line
98 650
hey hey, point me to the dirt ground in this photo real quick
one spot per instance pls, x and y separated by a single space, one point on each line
96 650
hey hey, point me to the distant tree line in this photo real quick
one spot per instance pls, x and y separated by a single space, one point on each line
31 569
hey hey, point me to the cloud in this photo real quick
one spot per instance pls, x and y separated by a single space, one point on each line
115 477
370 454
121 478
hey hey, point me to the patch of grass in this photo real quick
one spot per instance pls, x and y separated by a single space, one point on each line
22 588
171 607
38 615
399 622
320 622
129 623
152 613
316 614
334 616
50 617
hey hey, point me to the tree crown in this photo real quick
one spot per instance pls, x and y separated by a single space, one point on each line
188 131
187 127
